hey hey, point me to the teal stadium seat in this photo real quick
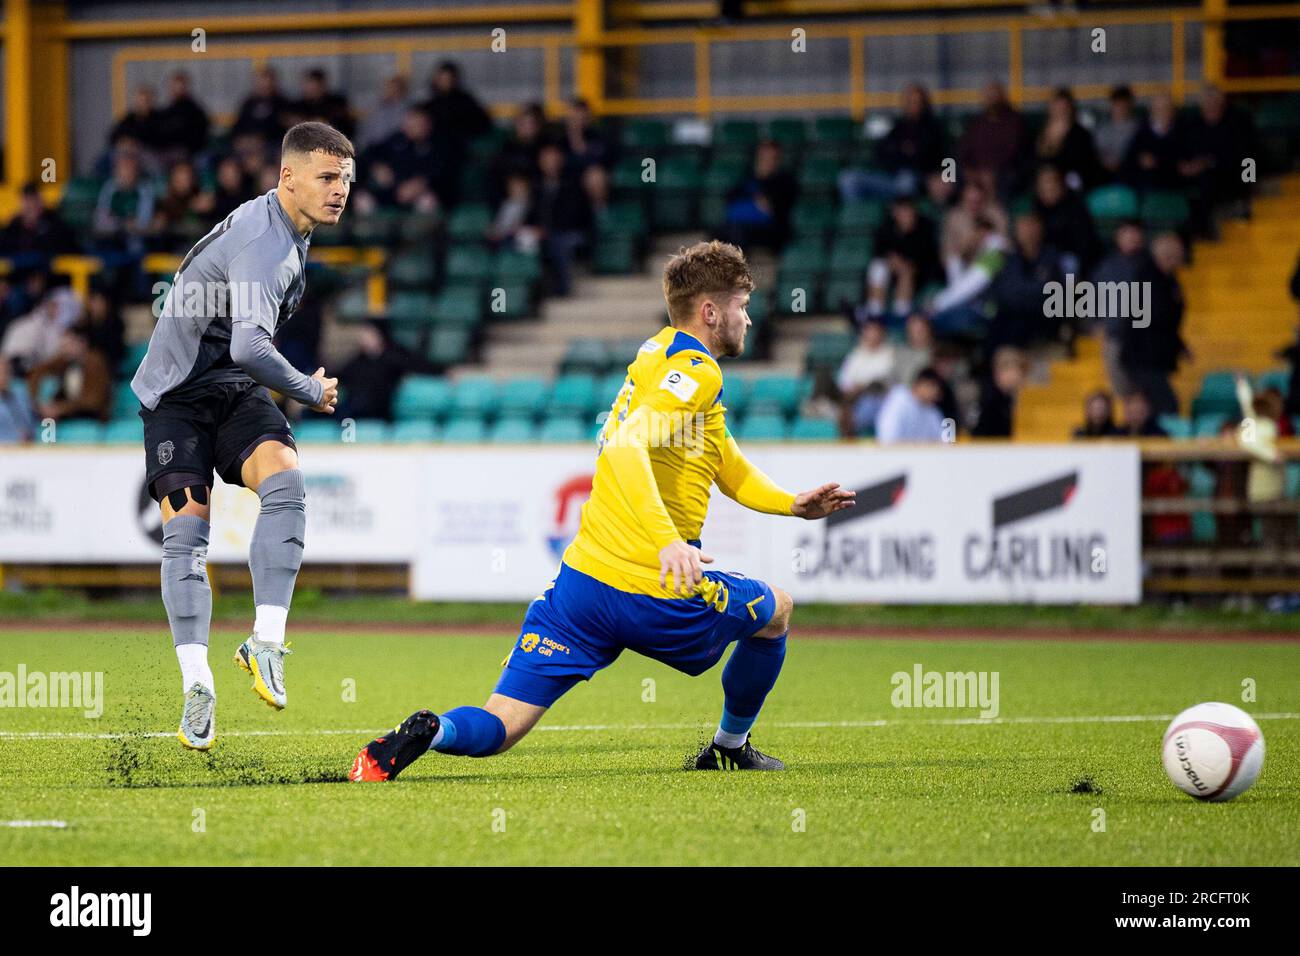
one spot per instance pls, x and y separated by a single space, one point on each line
513 430
564 430
464 431
78 432
125 431
317 432
815 429
763 427
474 396
414 431
422 397
524 397
573 395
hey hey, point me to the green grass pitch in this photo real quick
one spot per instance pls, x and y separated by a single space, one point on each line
602 780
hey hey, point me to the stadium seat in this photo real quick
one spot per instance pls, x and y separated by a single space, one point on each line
371 431
861 218
677 195
125 404
1175 426
791 133
524 397
511 300
468 264
422 397
414 431
78 432
573 395
775 395
125 431
316 432
813 219
457 307
615 253
469 223
563 430
826 351
762 427
131 360
645 135
815 429
411 308
1208 424
835 129
586 355
464 431
513 430
1110 205
474 396
379 228
1218 394
1165 210
1278 378
412 270
448 346
353 305
513 266
818 176
735 396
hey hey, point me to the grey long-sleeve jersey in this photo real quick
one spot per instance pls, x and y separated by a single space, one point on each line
233 291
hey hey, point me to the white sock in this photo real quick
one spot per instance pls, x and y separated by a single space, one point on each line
194 666
269 625
730 741
437 738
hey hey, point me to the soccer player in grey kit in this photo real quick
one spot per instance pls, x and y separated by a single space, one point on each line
203 387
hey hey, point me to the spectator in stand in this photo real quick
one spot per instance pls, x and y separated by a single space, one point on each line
124 212
962 306
1164 480
997 402
909 153
85 382
1258 434
456 112
182 125
1018 290
141 124
1150 354
1067 225
1098 417
1140 418
17 417
1128 262
1212 144
1116 133
373 375
385 118
995 145
36 234
910 413
758 210
960 237
1152 159
513 222
906 258
410 170
319 102
104 327
595 183
1231 479
1064 143
519 152
561 212
585 143
180 215
232 190
34 338
263 111
865 375
917 351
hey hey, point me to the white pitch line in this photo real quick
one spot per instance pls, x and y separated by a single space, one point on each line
579 728
56 824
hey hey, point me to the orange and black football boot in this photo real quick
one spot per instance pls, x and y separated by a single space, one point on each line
387 756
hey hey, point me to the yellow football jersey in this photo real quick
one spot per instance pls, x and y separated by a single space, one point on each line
661 450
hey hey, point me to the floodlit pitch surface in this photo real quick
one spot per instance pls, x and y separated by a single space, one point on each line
1069 772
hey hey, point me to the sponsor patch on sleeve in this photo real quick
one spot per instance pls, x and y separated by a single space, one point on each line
649 345
680 384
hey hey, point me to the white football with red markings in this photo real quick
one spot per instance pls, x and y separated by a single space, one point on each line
1213 751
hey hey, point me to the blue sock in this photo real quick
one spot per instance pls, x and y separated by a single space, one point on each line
470 732
750 674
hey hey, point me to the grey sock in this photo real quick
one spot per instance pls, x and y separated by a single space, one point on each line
185 590
275 553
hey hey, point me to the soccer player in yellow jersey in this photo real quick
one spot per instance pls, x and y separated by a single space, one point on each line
634 575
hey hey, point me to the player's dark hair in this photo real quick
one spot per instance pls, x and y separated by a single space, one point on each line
312 136
706 268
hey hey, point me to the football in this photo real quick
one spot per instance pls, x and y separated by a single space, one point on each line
1213 751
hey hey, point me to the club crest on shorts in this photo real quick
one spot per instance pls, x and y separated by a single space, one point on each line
165 450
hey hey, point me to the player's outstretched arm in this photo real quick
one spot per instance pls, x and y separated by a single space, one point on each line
823 501
252 350
744 483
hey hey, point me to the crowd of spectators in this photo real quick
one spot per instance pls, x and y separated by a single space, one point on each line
972 243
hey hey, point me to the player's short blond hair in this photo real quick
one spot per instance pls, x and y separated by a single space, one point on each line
706 268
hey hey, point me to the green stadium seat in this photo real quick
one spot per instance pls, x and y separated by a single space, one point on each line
465 431
125 404
625 216
414 431
78 432
524 397
735 396
566 430
736 132
412 270
475 396
316 432
1278 378
616 253
353 305
835 129
131 359
1209 424
789 132
762 427
798 292
468 264
457 307
861 218
513 431
776 394
818 176
449 346
513 266
1165 210
827 350
377 229
1110 205
815 429
422 397
469 223
371 431
573 395
628 177
514 300
416 227
1175 426
124 431
1218 394
610 384
586 355
841 291
677 195
646 135
813 219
